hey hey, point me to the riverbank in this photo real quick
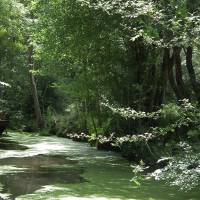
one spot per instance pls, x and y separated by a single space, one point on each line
135 148
173 162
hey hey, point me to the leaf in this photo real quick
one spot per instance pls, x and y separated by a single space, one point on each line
137 183
5 84
135 38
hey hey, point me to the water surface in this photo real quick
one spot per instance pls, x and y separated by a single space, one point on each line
51 168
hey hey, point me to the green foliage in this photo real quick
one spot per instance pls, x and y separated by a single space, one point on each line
133 52
156 22
182 170
170 117
138 171
186 115
130 113
170 113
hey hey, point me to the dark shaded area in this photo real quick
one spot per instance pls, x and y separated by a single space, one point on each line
3 125
30 181
11 145
38 161
41 170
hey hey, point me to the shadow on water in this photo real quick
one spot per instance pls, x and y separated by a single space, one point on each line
76 172
6 144
37 161
40 170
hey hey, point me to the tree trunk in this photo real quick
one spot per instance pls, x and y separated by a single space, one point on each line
150 88
191 72
140 55
162 82
172 81
38 115
179 75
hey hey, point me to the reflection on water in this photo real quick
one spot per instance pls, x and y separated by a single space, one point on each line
6 144
37 161
60 169
29 181
38 171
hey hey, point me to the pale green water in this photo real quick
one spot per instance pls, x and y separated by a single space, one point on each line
58 169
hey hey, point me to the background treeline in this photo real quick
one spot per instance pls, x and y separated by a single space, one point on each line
62 59
137 54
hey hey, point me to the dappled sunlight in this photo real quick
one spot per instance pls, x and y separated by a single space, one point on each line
100 99
89 198
63 169
45 147
6 169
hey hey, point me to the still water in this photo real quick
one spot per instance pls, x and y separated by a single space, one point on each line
34 167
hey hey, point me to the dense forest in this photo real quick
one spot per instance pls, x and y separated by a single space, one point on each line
123 75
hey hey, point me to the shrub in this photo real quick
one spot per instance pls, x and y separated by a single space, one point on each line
183 170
